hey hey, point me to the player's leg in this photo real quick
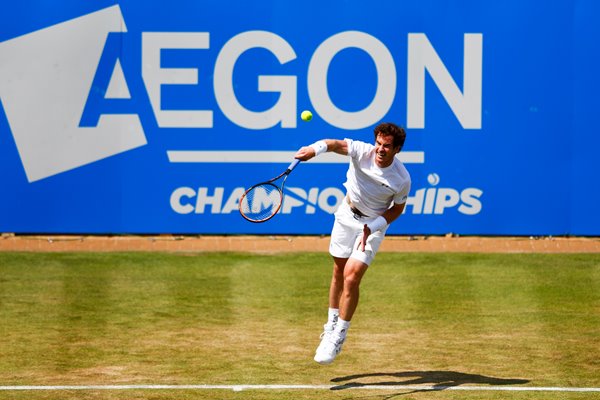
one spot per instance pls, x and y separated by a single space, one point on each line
335 292
343 235
337 282
332 343
352 275
353 272
340 248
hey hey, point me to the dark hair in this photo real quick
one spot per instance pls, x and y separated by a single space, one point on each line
389 129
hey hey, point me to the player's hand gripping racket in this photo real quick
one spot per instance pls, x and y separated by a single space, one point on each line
262 201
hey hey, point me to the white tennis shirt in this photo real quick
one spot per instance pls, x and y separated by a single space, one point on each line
370 188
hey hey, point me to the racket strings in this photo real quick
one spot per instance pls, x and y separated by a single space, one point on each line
261 202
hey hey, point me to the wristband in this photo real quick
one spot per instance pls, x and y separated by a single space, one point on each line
377 224
319 147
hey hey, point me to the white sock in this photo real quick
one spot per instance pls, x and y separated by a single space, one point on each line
333 315
342 327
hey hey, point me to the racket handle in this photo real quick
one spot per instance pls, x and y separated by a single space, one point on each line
293 165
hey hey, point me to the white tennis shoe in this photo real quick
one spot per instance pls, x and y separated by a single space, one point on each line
327 330
330 347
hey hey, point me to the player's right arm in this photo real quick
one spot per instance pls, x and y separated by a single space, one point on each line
337 146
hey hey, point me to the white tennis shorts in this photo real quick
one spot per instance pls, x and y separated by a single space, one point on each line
347 232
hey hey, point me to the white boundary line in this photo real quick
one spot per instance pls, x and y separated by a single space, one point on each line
238 388
191 156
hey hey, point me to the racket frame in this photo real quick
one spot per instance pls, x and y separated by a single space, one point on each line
285 175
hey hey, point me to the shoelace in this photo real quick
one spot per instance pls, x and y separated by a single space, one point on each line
332 344
327 328
335 339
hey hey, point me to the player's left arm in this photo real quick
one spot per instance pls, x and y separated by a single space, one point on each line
390 215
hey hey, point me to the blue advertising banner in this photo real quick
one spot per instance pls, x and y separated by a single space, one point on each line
153 117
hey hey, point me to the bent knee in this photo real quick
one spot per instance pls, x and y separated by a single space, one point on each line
352 279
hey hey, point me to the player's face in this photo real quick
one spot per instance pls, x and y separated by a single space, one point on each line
385 151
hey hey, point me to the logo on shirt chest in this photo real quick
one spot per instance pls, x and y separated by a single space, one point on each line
388 187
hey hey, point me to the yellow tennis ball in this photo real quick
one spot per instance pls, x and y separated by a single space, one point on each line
306 115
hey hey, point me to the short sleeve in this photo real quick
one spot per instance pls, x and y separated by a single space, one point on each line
402 196
357 149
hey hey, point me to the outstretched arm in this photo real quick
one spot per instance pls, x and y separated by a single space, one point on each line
337 146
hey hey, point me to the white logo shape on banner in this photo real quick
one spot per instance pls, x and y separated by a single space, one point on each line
45 78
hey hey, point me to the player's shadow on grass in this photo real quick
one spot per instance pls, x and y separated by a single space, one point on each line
431 380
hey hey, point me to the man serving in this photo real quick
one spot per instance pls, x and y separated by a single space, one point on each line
377 186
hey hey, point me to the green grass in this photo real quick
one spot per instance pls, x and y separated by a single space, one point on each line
447 319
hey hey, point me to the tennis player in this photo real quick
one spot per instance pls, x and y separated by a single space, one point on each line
377 186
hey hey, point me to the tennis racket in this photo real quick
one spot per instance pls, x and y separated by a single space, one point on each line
262 201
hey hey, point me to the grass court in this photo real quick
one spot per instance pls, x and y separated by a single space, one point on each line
424 320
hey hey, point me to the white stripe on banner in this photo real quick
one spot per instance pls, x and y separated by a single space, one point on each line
238 388
188 156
